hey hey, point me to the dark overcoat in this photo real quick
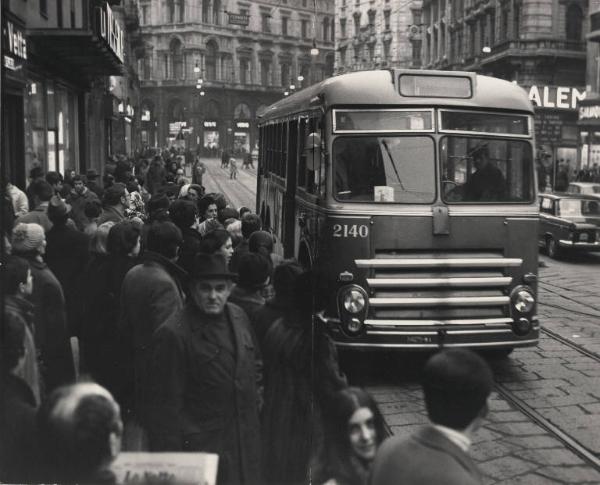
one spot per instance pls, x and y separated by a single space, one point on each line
151 293
51 331
197 404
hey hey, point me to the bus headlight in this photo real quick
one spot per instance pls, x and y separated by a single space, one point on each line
522 299
354 301
353 306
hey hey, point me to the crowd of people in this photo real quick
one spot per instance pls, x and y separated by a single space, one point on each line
147 315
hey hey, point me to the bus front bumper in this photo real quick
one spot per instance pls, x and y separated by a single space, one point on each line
474 335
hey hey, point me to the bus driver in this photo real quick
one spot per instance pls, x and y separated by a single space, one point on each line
487 183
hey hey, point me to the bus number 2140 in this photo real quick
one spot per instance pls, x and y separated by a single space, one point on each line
354 230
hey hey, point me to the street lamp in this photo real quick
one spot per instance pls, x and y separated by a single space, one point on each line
202 93
292 87
300 78
486 49
285 93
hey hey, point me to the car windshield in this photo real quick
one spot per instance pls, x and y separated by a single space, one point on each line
486 170
591 189
384 169
579 208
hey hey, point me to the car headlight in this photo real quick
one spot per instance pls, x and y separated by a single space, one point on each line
354 301
523 301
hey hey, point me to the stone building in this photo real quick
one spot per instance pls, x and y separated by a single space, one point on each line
377 34
539 44
211 65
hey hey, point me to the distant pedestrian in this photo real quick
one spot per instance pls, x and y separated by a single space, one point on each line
301 375
184 214
354 429
67 254
456 385
80 195
198 171
42 192
254 273
204 376
91 177
150 294
233 170
116 201
225 158
50 323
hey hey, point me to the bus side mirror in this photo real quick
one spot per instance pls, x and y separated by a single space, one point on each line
312 148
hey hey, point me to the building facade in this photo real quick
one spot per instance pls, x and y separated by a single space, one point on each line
539 44
377 34
211 65
57 57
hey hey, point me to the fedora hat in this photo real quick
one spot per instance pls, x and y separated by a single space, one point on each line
211 266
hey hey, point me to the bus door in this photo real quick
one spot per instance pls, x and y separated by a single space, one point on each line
310 185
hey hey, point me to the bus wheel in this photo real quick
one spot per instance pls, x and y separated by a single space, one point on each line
552 248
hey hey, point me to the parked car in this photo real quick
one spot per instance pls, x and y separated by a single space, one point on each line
569 222
584 188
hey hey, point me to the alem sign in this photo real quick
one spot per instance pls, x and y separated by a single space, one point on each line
560 97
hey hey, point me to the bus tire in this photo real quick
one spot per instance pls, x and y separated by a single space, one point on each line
552 248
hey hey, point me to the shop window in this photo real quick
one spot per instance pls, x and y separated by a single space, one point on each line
574 22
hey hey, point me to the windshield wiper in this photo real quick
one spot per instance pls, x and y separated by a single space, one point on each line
387 149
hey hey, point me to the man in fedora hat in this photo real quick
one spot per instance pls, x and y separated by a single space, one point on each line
204 394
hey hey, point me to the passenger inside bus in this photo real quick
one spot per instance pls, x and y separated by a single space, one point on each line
358 168
487 182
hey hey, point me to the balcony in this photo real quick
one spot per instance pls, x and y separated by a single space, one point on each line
541 47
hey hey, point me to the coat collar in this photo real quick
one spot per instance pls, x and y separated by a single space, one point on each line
15 386
433 438
18 303
177 272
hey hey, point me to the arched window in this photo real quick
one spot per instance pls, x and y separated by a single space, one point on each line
176 51
216 8
574 22
242 112
326 29
176 110
212 110
211 60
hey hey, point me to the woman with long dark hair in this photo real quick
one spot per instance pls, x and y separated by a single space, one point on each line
217 241
354 429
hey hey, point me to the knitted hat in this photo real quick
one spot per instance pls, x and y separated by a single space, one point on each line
27 237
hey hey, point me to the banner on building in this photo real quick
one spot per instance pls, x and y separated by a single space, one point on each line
238 19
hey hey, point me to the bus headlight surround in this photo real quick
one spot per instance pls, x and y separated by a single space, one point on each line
353 305
354 301
522 301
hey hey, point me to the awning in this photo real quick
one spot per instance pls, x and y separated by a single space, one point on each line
80 49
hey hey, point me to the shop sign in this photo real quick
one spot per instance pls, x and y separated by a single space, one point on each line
110 30
14 40
176 127
589 112
210 124
242 124
238 19
558 97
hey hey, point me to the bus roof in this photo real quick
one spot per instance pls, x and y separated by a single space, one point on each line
376 88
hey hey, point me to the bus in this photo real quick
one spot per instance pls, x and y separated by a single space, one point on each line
413 195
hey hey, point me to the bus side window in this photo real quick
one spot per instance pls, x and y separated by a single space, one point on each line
302 153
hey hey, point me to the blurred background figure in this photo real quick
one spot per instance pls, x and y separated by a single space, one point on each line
80 433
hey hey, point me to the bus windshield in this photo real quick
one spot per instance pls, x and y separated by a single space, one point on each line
384 169
486 170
